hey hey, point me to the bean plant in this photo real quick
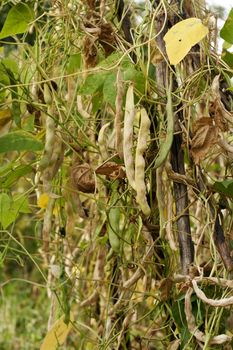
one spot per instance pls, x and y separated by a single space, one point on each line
116 177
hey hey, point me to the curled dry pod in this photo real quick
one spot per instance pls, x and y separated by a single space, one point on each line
128 136
140 163
83 178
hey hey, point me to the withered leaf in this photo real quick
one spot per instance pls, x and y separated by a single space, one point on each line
205 135
217 109
216 112
5 117
165 288
90 51
107 38
111 169
82 177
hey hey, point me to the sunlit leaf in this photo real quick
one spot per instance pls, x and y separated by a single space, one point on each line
182 37
43 200
10 208
228 58
57 334
227 30
5 215
17 21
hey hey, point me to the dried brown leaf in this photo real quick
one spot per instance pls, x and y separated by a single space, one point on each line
217 109
165 288
107 168
107 38
83 178
90 51
111 169
205 135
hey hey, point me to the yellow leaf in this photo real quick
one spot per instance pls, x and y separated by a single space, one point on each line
5 116
43 200
57 334
182 37
42 203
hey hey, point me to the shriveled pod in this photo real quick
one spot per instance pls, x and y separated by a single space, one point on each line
128 136
140 163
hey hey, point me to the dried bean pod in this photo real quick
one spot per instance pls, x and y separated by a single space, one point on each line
140 163
128 136
113 226
166 144
49 140
47 95
102 142
119 113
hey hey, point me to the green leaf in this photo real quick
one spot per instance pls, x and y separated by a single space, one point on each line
179 314
20 205
74 63
7 65
226 45
227 30
225 187
111 60
228 58
96 79
11 208
131 74
97 101
19 141
5 169
6 216
185 337
92 83
109 89
9 69
15 174
18 19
